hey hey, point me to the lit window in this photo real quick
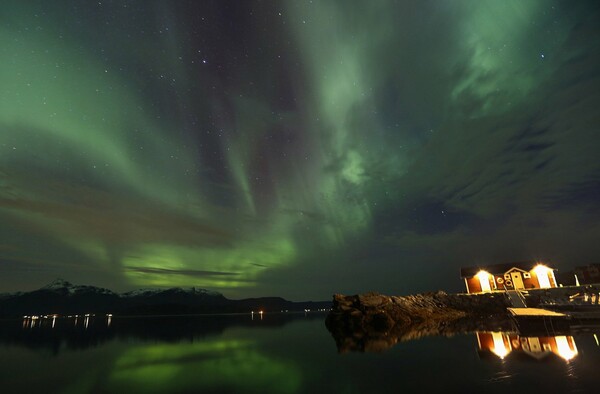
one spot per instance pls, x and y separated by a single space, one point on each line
541 271
484 280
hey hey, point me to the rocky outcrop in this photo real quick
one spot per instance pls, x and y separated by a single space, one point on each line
375 322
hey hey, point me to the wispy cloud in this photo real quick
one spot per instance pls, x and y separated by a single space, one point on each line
165 271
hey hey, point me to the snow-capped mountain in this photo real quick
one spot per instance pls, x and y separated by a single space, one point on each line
66 287
63 297
61 285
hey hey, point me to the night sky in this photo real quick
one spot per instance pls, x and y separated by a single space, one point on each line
295 148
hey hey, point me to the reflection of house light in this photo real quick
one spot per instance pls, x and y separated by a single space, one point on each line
484 280
564 349
500 348
541 271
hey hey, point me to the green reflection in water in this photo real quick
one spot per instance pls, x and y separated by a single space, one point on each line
221 364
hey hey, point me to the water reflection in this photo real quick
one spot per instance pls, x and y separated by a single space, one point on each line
503 344
59 333
33 321
283 353
176 354
226 365
367 338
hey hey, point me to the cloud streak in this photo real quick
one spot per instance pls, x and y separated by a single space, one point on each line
191 273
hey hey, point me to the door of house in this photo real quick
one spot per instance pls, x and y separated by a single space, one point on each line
517 280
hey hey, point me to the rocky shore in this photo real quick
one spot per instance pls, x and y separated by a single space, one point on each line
376 322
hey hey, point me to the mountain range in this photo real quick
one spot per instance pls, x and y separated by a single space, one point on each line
62 297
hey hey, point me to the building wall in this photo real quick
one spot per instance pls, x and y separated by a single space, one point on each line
499 285
473 285
553 281
531 282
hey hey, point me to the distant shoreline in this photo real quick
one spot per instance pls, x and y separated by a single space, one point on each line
63 298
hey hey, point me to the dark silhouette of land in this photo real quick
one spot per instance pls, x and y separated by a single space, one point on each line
63 298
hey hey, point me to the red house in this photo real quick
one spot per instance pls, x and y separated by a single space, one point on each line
511 276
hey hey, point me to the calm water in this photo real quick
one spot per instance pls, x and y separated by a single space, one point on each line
279 354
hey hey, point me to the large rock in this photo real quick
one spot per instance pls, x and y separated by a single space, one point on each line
375 322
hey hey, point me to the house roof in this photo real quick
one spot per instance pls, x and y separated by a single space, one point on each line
467 272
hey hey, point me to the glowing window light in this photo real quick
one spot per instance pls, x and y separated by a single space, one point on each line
564 349
500 349
541 271
484 280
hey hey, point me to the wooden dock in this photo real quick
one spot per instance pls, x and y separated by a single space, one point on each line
534 312
536 321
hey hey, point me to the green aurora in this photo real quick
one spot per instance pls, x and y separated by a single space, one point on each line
295 148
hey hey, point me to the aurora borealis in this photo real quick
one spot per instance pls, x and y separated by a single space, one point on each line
295 148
